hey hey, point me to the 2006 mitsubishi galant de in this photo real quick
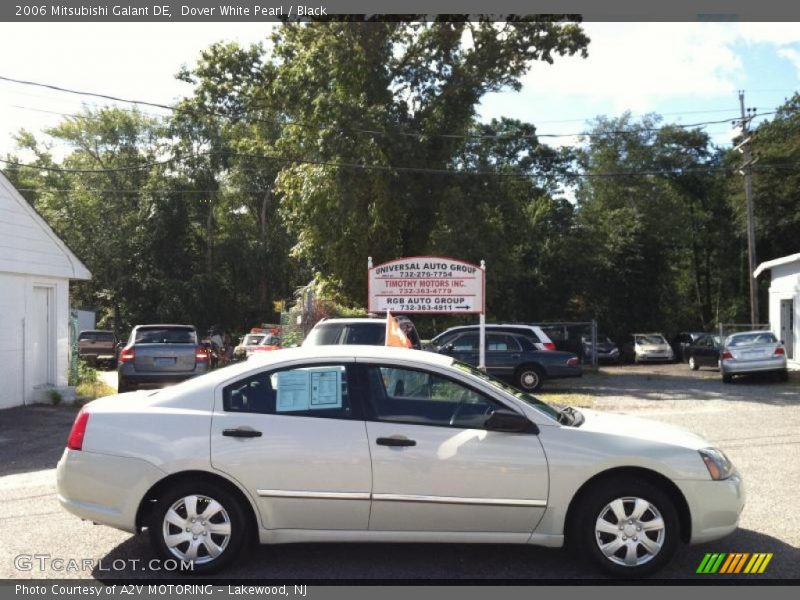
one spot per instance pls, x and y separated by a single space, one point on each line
374 444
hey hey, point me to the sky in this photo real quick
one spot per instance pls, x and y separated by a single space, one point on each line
687 72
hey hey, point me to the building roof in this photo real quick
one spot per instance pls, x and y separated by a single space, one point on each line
28 245
784 260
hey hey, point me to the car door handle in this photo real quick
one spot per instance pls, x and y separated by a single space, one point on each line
395 441
515 356
241 433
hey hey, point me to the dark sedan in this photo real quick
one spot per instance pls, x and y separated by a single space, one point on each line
509 355
607 350
705 351
682 341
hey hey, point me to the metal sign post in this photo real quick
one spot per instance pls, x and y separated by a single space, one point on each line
482 343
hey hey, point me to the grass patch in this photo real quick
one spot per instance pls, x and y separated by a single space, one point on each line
576 400
94 389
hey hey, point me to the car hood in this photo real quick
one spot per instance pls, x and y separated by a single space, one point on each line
641 429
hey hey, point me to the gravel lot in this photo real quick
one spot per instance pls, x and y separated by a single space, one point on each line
756 421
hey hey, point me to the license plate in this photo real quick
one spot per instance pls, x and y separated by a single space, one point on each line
164 361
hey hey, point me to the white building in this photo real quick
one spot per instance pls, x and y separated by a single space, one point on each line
35 269
784 302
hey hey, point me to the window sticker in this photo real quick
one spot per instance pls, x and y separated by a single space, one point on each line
309 389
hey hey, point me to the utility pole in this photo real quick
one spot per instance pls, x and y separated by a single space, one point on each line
745 169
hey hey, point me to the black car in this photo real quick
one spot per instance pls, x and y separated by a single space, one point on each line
509 355
682 341
704 352
607 350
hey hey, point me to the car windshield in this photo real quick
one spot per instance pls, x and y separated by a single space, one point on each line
752 339
165 335
252 339
651 339
550 411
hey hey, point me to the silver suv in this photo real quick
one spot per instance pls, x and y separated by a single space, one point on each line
362 331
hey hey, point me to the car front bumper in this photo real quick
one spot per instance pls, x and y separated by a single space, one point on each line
103 488
714 506
738 367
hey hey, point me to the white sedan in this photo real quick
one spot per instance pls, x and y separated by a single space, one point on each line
375 444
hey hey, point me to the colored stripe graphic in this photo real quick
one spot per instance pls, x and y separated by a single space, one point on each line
733 563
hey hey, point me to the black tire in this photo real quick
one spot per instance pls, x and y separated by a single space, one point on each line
584 538
726 378
123 386
234 515
529 378
693 364
783 375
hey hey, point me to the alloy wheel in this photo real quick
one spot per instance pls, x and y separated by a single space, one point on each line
630 531
196 528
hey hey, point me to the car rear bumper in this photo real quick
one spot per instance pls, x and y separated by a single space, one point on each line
103 488
736 367
715 506
127 372
558 372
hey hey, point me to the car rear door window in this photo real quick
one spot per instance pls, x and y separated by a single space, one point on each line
369 334
309 391
501 343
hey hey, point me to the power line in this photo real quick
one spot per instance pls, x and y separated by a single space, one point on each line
370 131
389 168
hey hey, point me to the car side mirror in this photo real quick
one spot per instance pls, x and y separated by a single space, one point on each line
507 420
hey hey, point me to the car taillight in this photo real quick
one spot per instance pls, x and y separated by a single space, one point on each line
779 351
727 356
75 439
572 362
549 346
201 355
127 355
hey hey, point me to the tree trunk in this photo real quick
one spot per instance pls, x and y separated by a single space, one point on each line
262 267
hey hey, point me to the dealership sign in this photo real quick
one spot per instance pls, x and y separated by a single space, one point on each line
426 284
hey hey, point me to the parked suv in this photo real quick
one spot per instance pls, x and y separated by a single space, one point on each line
369 331
97 347
156 355
510 353
533 332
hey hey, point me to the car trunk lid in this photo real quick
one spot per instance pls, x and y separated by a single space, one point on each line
165 357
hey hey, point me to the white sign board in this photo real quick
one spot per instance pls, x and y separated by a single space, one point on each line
426 284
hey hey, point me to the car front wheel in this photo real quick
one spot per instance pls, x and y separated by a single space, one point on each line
199 523
628 527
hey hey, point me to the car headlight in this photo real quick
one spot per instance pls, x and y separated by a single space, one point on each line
719 466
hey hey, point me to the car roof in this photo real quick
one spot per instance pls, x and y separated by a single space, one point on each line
493 326
333 352
346 320
165 325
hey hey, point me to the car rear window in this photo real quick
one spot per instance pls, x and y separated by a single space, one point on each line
165 335
324 335
369 334
753 339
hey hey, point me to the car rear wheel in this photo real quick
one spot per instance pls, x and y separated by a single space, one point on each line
201 523
123 386
529 378
693 364
627 527
726 378
783 375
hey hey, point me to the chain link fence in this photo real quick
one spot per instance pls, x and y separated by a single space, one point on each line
580 338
